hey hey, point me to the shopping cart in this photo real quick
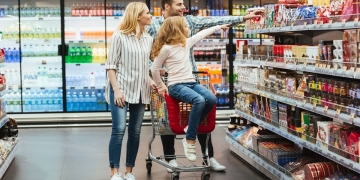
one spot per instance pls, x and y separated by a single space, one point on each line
169 117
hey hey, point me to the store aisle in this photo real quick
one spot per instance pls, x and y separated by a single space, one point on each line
81 154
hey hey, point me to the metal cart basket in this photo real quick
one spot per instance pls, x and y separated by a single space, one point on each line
169 117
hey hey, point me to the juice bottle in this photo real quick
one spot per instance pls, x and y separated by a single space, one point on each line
206 69
212 75
218 76
201 76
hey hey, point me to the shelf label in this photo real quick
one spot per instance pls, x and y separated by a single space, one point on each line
356 20
81 41
86 87
59 87
40 19
71 41
352 69
344 68
328 66
77 64
102 64
103 17
92 87
72 87
343 23
42 88
326 108
116 17
28 88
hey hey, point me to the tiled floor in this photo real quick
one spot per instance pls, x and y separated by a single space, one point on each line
82 154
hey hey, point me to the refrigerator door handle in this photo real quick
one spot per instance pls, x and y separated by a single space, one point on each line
60 50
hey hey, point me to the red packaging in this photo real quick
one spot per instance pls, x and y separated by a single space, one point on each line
353 147
275 52
289 2
343 143
281 53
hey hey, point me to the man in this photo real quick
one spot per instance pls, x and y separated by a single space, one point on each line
176 8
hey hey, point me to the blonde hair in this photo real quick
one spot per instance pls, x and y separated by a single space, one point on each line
171 32
129 22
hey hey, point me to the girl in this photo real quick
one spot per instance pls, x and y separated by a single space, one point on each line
172 48
128 85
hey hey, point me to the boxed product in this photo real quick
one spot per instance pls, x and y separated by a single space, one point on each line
274 112
323 134
284 116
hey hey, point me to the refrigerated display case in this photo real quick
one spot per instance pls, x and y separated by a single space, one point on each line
56 64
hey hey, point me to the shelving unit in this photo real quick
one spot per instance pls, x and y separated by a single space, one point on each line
324 152
8 160
256 161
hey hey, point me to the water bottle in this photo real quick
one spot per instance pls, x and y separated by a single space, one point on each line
17 55
60 100
17 102
78 80
45 77
75 101
89 54
6 55
87 101
39 77
83 58
32 101
93 101
218 93
51 101
25 101
9 102
81 100
69 103
99 101
77 55
10 55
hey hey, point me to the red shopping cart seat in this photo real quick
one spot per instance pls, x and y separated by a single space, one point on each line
178 116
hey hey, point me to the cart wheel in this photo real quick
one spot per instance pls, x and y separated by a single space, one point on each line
174 176
205 176
148 167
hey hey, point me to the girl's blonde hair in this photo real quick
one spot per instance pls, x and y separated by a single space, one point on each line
171 32
129 22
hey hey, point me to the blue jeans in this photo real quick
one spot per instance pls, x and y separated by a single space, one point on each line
118 116
202 101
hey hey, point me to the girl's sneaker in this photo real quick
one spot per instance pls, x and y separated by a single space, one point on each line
189 149
129 176
116 177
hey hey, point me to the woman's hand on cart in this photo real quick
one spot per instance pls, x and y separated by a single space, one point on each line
119 99
153 85
163 92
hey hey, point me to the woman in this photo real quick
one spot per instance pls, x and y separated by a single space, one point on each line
172 48
128 84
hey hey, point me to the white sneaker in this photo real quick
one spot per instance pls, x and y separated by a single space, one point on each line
189 149
116 177
215 166
173 163
129 176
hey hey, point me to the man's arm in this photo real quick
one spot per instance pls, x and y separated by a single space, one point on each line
200 22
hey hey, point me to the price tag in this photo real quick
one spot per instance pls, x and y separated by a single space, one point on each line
338 112
292 24
304 101
323 66
315 22
72 87
305 23
343 23
92 87
116 17
325 109
77 64
40 19
86 87
352 115
42 88
352 69
314 105
344 68
356 20
316 65
335 67
328 66
357 70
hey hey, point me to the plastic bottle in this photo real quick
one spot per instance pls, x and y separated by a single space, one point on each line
75 101
17 102
60 100
16 55
83 58
99 101
69 102
26 101
10 55
87 101
45 77
39 77
226 96
93 102
95 55
81 101
77 55
88 55
50 101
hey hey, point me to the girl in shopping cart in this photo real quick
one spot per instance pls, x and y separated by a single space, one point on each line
172 49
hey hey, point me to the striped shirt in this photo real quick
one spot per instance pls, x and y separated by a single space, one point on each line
130 56
195 23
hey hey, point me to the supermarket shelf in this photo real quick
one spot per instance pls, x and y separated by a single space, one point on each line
86 40
8 160
257 41
208 62
306 106
305 27
324 152
256 161
85 64
300 67
4 120
82 87
41 88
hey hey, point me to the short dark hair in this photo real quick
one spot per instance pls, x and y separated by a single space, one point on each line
163 2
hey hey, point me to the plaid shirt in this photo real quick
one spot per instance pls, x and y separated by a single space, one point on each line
195 23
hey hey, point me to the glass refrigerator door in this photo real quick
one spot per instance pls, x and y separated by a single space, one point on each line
41 66
85 36
10 55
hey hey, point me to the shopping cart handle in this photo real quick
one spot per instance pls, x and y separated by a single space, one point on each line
200 72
